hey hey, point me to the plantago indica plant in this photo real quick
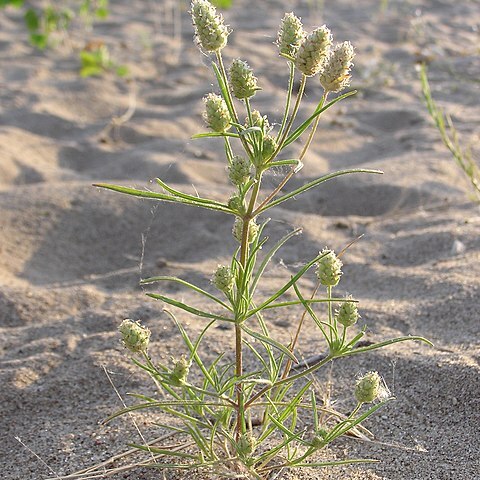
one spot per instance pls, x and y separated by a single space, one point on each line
253 423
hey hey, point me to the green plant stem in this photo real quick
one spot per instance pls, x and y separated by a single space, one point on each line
289 99
331 320
298 100
256 150
444 124
240 425
228 150
302 155
314 127
289 363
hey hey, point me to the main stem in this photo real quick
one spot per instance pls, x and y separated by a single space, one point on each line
240 426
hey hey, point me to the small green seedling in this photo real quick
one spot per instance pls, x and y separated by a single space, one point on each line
449 136
97 61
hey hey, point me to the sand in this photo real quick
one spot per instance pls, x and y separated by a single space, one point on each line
71 255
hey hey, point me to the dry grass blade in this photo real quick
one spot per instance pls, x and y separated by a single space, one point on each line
101 468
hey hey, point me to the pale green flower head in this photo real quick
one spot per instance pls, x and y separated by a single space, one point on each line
335 75
239 170
329 268
216 114
242 80
368 387
135 337
236 203
290 35
238 230
258 120
223 279
180 371
246 444
313 51
318 440
269 147
210 32
347 313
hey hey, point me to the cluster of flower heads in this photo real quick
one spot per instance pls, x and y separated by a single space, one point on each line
311 52
329 272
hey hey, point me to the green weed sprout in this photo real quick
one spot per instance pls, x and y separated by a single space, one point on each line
449 136
45 23
253 423
96 61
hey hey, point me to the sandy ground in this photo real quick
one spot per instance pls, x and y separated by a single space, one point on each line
71 255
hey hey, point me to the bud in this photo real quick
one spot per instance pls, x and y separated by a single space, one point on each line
258 121
318 440
269 147
347 314
242 80
368 387
313 51
179 374
336 72
216 115
329 268
210 32
237 230
134 336
246 444
239 170
290 35
235 202
223 278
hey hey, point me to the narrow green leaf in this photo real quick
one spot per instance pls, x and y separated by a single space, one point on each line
335 463
191 347
222 3
291 436
186 196
223 90
13 3
269 341
319 323
313 400
307 301
163 197
283 163
169 427
257 354
269 256
162 451
346 425
187 284
386 343
280 292
313 184
215 134
188 308
299 130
